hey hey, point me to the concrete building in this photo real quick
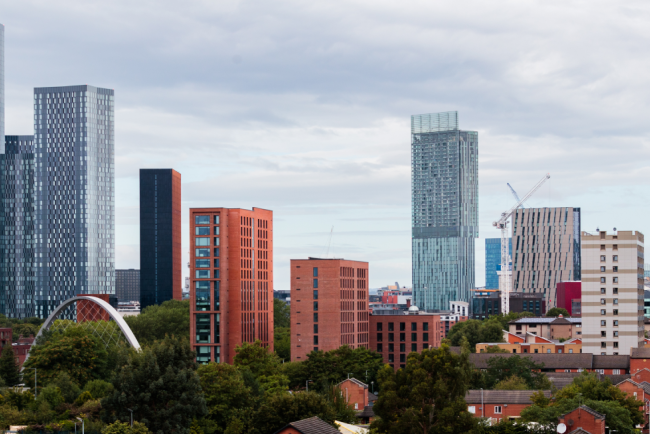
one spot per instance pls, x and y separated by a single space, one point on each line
231 273
546 250
612 292
444 201
127 285
329 305
160 236
74 186
569 297
17 227
486 303
548 327
493 261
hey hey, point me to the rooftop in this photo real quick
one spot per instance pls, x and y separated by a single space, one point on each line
313 425
544 320
502 396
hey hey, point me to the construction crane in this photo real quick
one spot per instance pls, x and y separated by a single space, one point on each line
514 193
502 224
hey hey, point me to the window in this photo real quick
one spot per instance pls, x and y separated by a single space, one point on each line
536 351
380 326
202 263
471 409
603 345
402 326
414 337
615 344
603 323
202 230
402 348
202 274
616 301
602 311
570 350
603 334
617 371
497 409
315 317
391 348
425 326
202 253
548 351
380 337
615 323
425 346
615 269
615 312
315 271
202 220
615 280
602 301
616 334
402 358
315 294
202 241
414 326
315 329
315 283
380 348
216 241
602 280
615 247
425 337
615 258
615 290
216 230
315 305
602 258
414 347
391 337
315 340
216 252
216 220
356 405
602 269
391 326
602 290
203 329
402 337
391 357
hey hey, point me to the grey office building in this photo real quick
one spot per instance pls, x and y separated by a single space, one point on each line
444 182
127 285
75 194
17 227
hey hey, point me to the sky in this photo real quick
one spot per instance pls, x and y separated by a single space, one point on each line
304 108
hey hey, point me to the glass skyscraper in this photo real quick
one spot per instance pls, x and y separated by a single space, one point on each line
2 88
444 199
75 194
493 261
17 227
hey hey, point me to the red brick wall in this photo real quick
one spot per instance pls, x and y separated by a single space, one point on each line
383 346
584 420
245 278
506 412
342 305
177 260
289 430
638 364
637 377
356 395
89 311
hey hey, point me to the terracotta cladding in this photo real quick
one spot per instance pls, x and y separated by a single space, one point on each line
231 273
177 260
392 335
329 305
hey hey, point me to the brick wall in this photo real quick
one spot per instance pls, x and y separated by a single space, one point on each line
354 393
579 418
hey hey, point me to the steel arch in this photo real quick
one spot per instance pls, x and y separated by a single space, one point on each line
124 327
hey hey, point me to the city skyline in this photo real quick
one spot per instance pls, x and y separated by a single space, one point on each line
326 152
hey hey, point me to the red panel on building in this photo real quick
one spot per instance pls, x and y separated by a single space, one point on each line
177 248
89 311
569 297
329 305
231 274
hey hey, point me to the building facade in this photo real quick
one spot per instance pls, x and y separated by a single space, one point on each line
488 303
444 202
75 194
2 88
547 327
569 297
160 236
493 261
546 249
329 305
127 285
231 275
612 292
17 227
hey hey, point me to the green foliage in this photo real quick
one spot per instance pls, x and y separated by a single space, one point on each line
160 385
83 398
125 428
281 314
512 316
68 387
171 318
511 383
332 367
344 412
493 349
557 311
475 331
281 409
52 395
264 366
18 399
282 342
421 398
502 368
513 427
9 371
75 351
98 388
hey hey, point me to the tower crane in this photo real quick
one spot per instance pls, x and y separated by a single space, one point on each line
502 224
514 193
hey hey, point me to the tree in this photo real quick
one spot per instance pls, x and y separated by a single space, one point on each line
263 364
160 385
557 311
9 371
281 314
69 389
75 351
511 383
156 321
494 349
504 320
502 368
125 428
281 409
282 342
475 331
98 388
421 398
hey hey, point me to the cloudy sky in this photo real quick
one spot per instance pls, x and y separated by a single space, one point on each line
304 107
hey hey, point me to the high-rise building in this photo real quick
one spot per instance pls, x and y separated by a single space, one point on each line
329 305
546 250
612 292
127 285
17 227
444 183
231 273
160 236
2 88
493 261
75 194
569 297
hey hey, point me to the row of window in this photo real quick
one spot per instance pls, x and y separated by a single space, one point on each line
604 279
604 345
603 258
402 347
205 220
604 291
205 241
603 334
604 269
205 263
402 326
603 301
205 253
402 337
205 230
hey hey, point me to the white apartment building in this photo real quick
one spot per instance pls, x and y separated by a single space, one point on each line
612 292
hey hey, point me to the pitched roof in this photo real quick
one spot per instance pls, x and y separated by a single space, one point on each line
544 320
588 410
550 361
367 412
640 353
645 386
355 381
313 425
611 362
615 379
561 321
502 396
579 430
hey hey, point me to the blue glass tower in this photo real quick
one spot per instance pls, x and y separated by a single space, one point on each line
2 88
444 201
493 261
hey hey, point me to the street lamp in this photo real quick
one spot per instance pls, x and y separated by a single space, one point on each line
307 384
82 424
372 386
350 373
35 382
131 416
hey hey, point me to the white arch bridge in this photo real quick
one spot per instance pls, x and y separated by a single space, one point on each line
94 313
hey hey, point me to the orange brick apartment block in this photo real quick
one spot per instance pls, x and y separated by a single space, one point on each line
584 417
329 305
231 273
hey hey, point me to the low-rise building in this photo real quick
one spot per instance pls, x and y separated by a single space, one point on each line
565 362
499 404
532 344
486 303
357 393
548 327
585 419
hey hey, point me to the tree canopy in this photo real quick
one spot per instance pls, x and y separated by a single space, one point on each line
281 314
475 331
557 311
9 371
501 369
156 321
263 365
